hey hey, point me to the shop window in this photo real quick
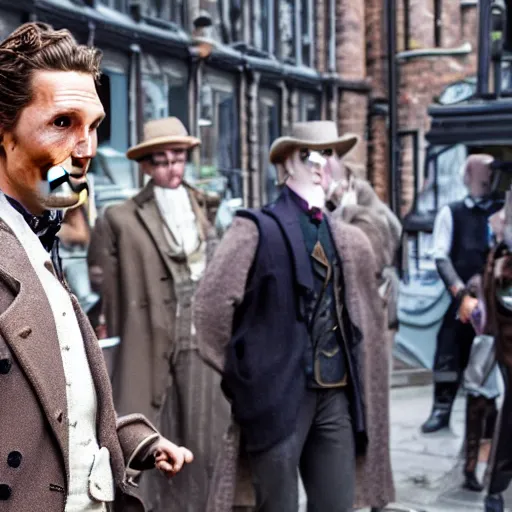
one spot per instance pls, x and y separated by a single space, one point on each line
309 107
111 164
219 133
164 89
269 131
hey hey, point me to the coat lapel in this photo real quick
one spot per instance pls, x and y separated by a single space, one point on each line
284 212
347 253
29 330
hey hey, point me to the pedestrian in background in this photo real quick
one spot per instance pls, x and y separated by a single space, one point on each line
461 246
154 250
289 313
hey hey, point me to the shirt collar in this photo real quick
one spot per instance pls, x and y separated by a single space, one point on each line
484 203
45 226
315 213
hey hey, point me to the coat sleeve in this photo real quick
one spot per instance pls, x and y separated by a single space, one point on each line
137 436
222 288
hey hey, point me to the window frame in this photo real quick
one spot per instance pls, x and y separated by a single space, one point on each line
270 96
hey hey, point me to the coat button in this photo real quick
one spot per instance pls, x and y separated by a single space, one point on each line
14 459
5 492
5 366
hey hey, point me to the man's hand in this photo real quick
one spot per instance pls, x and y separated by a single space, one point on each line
169 458
467 306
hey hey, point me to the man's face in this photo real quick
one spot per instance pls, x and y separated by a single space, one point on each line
308 167
57 128
167 166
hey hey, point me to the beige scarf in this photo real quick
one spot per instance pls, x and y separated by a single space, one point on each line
181 228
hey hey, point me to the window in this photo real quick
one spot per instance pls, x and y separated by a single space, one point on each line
265 26
269 131
309 107
118 5
164 89
219 132
287 31
170 10
307 33
111 164
330 34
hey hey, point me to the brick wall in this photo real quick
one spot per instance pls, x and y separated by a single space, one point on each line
353 108
422 79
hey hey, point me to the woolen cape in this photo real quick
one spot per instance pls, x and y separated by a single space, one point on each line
222 289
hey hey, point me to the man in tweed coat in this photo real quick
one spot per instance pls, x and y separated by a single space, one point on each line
62 446
288 311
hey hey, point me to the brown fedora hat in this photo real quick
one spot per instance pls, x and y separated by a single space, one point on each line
159 133
312 135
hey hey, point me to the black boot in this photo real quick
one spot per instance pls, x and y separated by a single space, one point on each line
490 418
471 482
444 395
475 416
439 418
494 503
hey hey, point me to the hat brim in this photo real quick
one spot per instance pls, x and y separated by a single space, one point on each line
282 147
151 146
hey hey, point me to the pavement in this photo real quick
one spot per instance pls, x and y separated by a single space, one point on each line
427 469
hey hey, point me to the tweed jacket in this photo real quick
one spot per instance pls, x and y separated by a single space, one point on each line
34 450
223 288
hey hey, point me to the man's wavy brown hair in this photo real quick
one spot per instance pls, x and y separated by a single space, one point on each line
37 47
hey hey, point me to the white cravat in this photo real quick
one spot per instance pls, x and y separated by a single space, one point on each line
179 217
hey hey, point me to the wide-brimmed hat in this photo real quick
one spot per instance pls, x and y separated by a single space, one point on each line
312 135
159 133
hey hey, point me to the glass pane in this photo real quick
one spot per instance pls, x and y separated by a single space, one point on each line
219 133
219 19
309 107
287 30
155 99
111 164
270 130
164 89
450 186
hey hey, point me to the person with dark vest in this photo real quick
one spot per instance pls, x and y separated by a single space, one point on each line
461 246
289 312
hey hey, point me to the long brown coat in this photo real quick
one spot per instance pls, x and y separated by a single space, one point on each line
174 387
33 404
222 289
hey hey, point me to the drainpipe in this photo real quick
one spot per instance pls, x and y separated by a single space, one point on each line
484 49
393 148
135 113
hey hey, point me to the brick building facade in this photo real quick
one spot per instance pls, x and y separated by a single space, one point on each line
273 63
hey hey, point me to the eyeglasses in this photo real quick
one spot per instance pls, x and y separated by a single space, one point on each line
305 153
160 160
